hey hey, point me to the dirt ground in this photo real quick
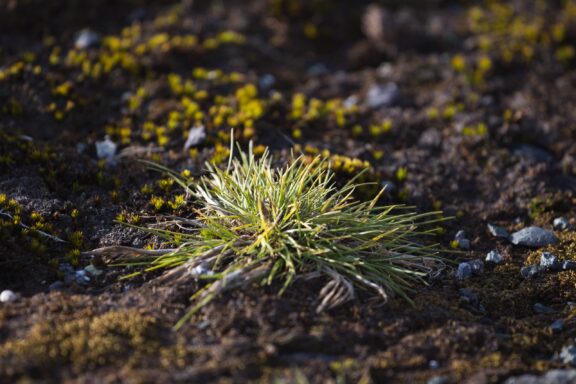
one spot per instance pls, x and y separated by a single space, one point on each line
464 107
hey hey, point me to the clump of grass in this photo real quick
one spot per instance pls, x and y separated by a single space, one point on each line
257 223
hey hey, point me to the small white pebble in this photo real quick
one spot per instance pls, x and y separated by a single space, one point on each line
561 224
460 235
196 135
494 257
86 39
7 296
106 149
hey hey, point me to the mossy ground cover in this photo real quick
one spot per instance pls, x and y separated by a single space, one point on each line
480 127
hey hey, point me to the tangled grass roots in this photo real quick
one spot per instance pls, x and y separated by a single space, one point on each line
255 223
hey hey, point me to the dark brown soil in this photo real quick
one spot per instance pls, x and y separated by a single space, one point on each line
483 124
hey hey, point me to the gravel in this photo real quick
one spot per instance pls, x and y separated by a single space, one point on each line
468 296
556 376
533 237
463 242
561 224
106 149
460 235
569 265
494 257
477 267
56 286
548 260
468 269
464 271
530 271
533 153
557 326
542 309
497 231
382 95
8 296
196 135
437 380
86 39
568 355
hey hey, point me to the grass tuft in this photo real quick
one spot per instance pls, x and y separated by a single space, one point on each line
257 223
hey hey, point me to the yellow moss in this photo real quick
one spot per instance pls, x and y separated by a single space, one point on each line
84 342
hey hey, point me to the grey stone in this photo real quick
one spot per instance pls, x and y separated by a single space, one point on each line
542 309
56 286
556 376
533 153
72 276
196 135
494 257
497 231
561 224
460 235
568 355
382 95
388 185
530 271
464 271
106 149
533 237
477 267
548 260
569 265
350 101
92 270
437 380
267 81
463 244
557 326
430 138
80 148
8 296
86 39
81 277
317 69
468 296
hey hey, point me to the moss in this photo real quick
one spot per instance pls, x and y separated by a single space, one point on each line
83 342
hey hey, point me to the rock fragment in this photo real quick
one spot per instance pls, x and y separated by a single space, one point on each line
468 269
106 149
542 309
463 242
561 224
8 296
533 237
494 257
497 231
555 376
530 271
196 135
86 39
464 271
549 260
382 95
569 265
557 326
477 267
437 380
568 355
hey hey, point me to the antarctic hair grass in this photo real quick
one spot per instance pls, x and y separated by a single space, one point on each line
257 223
